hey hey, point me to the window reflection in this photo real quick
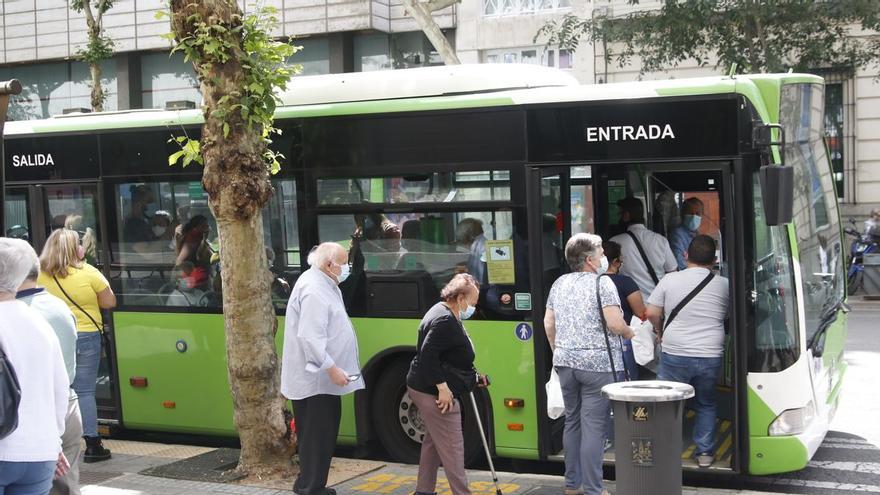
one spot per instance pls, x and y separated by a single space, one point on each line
167 250
401 261
428 188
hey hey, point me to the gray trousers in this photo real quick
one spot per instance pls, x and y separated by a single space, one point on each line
586 424
71 445
443 445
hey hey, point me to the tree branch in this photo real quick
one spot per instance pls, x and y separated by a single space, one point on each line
435 5
422 15
101 8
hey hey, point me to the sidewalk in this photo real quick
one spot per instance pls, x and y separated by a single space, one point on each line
121 475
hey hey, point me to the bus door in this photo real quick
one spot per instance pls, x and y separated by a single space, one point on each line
549 200
32 212
672 194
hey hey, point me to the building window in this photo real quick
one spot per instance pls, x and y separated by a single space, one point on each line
49 89
167 78
313 58
516 7
548 57
393 51
834 132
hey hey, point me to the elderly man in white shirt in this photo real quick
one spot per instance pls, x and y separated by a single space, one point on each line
319 364
31 453
654 246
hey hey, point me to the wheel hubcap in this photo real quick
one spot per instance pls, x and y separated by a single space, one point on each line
410 420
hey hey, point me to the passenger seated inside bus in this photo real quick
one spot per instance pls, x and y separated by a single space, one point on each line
187 291
136 228
193 251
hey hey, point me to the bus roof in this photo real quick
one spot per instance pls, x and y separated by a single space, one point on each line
432 88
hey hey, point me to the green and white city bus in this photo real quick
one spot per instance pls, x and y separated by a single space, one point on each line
406 168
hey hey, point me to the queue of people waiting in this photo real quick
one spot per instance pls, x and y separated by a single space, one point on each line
320 360
51 337
644 281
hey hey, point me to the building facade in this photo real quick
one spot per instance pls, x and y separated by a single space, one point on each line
39 40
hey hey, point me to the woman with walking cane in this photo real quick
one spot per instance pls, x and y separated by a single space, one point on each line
440 375
582 356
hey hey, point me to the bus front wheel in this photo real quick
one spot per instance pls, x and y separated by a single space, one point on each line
398 423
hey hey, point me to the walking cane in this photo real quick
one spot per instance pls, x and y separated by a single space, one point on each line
485 444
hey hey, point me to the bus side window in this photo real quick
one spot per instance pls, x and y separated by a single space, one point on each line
401 261
167 251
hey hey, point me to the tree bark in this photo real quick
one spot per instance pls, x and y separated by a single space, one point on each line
97 98
421 12
237 183
94 32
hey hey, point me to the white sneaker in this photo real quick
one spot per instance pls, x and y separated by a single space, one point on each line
705 460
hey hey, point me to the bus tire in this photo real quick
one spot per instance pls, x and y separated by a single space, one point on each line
394 416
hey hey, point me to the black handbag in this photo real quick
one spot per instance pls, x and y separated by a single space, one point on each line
10 397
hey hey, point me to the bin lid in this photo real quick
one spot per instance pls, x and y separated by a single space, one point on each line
648 391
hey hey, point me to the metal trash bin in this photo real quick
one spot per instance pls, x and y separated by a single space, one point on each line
647 435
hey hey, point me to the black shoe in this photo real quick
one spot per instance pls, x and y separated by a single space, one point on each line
95 451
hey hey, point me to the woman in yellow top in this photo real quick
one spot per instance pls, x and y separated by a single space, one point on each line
65 274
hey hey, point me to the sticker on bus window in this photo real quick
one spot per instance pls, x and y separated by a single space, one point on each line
522 301
499 262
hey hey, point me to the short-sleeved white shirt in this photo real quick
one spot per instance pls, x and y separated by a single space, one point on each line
698 330
656 249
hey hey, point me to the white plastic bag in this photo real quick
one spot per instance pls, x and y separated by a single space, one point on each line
555 405
643 342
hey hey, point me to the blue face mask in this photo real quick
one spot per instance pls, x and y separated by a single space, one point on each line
369 223
346 271
464 315
692 222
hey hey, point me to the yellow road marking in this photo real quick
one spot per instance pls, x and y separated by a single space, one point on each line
385 483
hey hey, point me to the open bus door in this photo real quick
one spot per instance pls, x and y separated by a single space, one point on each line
549 227
32 212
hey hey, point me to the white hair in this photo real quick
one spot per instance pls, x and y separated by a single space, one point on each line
579 248
17 259
323 253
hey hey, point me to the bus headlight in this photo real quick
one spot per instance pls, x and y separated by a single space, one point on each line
792 421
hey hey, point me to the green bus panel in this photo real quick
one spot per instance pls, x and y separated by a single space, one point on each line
509 361
183 357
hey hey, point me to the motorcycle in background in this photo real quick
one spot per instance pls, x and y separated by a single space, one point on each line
864 243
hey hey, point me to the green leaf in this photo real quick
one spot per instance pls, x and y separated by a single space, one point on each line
174 157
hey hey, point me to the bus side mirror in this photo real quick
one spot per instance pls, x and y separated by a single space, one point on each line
777 193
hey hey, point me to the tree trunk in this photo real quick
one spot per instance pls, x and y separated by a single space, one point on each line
97 89
422 15
237 183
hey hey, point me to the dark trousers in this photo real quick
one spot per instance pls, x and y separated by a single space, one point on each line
317 425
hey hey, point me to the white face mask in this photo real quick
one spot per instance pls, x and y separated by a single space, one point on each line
158 230
603 265
346 271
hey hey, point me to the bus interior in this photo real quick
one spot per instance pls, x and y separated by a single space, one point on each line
587 196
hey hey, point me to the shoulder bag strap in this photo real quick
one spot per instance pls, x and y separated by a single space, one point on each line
605 329
687 299
645 260
77 305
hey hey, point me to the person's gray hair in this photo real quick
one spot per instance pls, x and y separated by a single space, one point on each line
34 273
579 248
17 258
323 253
